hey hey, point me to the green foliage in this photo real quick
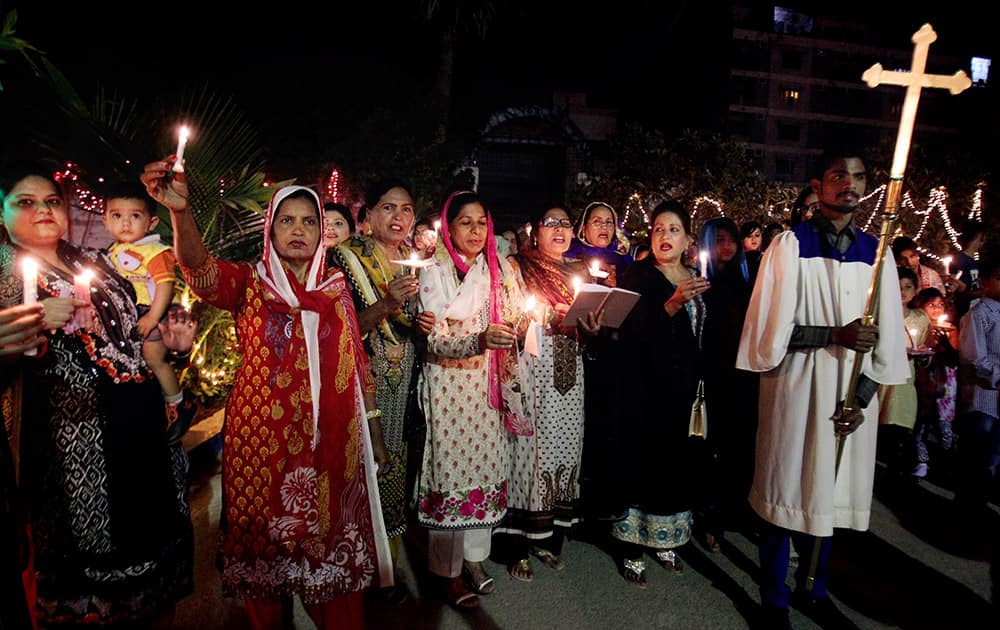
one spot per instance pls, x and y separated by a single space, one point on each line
114 136
9 42
644 165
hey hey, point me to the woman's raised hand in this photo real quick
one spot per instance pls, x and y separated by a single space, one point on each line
399 289
20 329
166 187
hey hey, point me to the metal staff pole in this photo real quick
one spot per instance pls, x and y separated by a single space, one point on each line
914 80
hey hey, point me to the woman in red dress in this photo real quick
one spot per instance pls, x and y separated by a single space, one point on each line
299 459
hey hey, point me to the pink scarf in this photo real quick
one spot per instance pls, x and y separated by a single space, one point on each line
494 267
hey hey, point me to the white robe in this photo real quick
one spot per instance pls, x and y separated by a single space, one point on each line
794 484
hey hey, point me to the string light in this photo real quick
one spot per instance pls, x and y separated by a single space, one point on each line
976 212
333 186
86 199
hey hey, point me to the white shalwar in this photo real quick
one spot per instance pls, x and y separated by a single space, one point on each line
805 281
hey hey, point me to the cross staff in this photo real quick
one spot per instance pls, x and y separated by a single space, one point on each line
914 80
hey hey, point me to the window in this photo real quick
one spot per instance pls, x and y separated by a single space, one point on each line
790 96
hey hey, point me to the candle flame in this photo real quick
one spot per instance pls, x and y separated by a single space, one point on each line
594 267
184 133
703 255
29 266
577 283
946 260
914 331
86 276
529 303
437 226
942 319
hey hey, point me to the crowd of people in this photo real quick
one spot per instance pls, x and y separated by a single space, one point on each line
401 371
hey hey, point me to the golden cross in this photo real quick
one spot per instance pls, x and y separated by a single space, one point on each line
914 80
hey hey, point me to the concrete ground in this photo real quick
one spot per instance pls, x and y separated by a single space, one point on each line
921 565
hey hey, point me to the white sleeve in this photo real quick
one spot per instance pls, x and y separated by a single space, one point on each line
770 318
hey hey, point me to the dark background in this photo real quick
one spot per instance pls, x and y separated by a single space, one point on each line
308 72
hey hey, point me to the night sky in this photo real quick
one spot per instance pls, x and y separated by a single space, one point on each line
300 67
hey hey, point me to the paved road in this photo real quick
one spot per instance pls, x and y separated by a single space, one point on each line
921 565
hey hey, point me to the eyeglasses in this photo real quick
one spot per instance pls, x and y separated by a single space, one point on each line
553 222
597 223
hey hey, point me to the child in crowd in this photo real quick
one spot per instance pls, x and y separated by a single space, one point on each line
937 383
148 264
898 403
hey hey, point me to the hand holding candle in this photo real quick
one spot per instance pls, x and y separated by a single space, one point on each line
182 138
913 337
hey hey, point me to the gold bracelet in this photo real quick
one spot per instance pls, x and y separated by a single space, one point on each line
373 413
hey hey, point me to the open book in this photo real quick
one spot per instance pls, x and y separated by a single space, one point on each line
617 304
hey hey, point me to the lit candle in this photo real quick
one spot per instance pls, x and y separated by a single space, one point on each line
942 320
437 226
703 259
81 285
81 291
529 304
29 270
947 264
595 270
913 337
577 283
413 259
527 229
182 138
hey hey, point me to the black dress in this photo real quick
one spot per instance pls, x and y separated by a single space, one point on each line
659 367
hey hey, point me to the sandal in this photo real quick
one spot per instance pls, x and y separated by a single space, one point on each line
670 560
456 592
521 570
477 577
634 572
548 558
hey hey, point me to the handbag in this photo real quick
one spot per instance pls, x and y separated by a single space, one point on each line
698 425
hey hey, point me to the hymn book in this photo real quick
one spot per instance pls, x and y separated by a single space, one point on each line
591 298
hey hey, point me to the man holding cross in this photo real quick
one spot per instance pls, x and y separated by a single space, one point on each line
803 331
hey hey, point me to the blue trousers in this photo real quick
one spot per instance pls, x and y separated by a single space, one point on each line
774 553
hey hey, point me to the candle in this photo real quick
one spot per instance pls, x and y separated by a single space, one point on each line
577 282
703 259
527 228
182 138
413 259
942 321
529 304
81 285
81 291
29 270
947 264
913 337
595 270
437 226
